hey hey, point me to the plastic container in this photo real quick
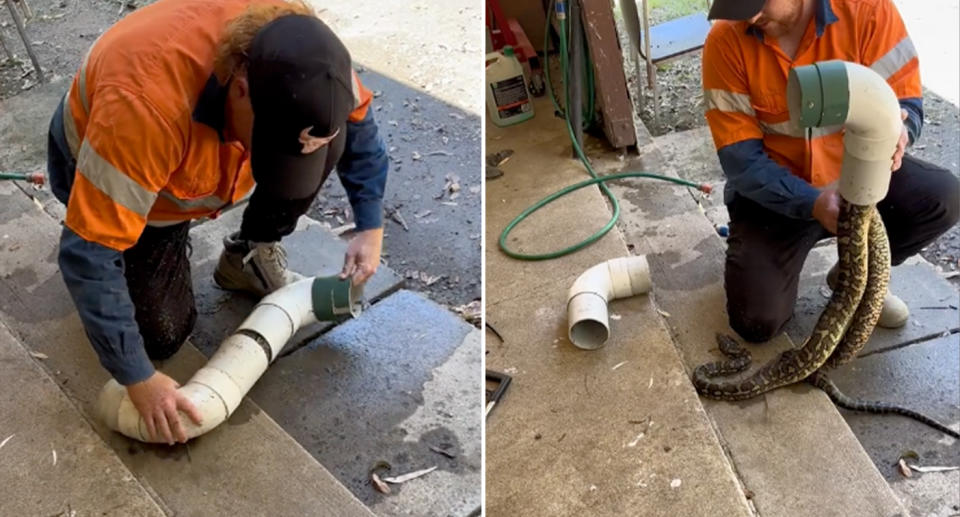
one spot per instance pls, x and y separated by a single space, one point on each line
508 96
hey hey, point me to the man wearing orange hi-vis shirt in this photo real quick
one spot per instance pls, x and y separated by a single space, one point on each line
781 178
177 112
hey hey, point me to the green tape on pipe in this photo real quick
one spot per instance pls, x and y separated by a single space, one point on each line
821 92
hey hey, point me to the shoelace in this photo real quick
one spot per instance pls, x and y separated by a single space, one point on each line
278 255
275 254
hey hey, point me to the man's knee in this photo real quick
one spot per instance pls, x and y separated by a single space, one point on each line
950 201
756 327
164 334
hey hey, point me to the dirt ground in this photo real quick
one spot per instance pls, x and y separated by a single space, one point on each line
428 117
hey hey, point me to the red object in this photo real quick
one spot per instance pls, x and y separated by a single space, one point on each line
37 178
706 189
507 31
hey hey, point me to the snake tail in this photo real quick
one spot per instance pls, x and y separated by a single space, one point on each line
820 380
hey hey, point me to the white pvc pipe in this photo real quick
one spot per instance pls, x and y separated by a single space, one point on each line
587 316
219 386
871 133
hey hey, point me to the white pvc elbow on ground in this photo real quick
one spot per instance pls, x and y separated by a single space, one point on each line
587 315
219 386
834 92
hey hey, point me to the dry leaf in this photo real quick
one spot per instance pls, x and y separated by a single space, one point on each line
471 312
444 452
381 487
39 355
412 475
904 469
932 469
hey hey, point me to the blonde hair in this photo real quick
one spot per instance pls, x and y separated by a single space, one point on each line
234 47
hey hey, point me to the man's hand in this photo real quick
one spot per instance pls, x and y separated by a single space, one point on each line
363 256
158 400
901 144
826 209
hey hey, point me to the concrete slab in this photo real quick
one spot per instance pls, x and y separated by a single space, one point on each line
24 120
617 431
540 165
214 476
692 155
311 250
932 300
924 377
53 461
389 385
618 425
792 469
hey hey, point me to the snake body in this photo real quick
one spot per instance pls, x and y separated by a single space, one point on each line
820 380
841 331
868 312
793 366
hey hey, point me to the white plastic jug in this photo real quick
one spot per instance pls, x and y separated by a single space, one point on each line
508 96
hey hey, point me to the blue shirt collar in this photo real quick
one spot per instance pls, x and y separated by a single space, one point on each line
823 16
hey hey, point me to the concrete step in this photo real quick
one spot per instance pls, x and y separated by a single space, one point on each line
312 250
53 461
917 366
789 467
616 431
389 385
214 474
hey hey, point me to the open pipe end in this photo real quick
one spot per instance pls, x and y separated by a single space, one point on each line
589 334
335 299
587 317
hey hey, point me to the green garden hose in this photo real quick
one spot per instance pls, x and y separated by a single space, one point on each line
596 179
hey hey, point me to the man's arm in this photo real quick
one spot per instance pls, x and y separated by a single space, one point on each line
363 172
94 276
886 47
752 174
126 156
914 121
738 137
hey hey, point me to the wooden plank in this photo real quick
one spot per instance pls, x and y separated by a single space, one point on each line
611 84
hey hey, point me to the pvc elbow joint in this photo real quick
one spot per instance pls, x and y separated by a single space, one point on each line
219 386
587 314
838 92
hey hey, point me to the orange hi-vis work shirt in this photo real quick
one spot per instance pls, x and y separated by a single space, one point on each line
142 158
745 80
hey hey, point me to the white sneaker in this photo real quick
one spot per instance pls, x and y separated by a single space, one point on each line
895 312
255 267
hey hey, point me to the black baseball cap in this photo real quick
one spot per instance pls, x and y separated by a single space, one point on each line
735 9
301 90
